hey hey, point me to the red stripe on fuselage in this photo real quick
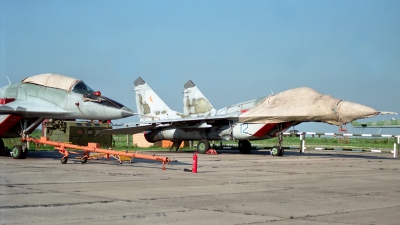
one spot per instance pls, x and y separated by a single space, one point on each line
8 122
267 127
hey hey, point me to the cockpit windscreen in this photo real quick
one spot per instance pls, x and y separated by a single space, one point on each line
82 88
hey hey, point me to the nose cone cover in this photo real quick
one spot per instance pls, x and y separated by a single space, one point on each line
305 105
350 111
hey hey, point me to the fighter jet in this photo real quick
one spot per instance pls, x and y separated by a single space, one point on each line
24 105
261 118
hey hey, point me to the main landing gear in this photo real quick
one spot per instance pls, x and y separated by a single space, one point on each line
202 146
244 146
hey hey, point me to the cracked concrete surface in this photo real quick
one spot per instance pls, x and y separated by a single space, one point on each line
320 187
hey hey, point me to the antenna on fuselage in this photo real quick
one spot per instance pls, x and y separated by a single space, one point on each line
272 91
8 80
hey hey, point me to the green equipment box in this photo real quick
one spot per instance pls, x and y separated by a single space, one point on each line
78 132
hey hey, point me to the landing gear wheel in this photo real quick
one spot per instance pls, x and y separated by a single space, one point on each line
64 160
277 151
203 146
83 159
244 147
17 152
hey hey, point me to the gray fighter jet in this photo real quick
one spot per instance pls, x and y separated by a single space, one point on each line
24 105
261 118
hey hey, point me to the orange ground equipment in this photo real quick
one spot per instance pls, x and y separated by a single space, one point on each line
94 147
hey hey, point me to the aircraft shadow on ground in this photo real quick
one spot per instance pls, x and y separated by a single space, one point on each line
288 153
294 152
339 155
112 161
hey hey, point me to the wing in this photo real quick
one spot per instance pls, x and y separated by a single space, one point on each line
189 122
378 124
232 116
127 130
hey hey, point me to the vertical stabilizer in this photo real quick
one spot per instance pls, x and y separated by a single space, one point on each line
149 105
195 103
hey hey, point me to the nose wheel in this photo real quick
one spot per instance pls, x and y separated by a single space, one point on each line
19 152
83 160
64 160
277 151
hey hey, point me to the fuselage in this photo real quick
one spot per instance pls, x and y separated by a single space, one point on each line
29 102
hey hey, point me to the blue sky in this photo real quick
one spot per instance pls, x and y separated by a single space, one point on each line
232 50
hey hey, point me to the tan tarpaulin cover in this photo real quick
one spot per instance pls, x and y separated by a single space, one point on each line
52 80
303 105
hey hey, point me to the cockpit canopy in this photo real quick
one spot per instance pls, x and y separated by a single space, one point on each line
61 82
54 81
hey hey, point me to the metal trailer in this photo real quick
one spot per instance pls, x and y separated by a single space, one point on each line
91 147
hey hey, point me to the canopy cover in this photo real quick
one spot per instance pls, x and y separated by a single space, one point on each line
305 105
52 80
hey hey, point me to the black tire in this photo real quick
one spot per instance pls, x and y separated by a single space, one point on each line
203 146
83 159
64 160
277 151
17 152
6 152
2 149
244 147
25 154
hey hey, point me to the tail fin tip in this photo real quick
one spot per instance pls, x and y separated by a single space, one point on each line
189 84
139 81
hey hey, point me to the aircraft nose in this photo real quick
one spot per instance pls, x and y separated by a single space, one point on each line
349 111
126 112
114 109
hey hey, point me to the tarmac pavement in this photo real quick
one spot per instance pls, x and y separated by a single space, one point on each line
319 187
